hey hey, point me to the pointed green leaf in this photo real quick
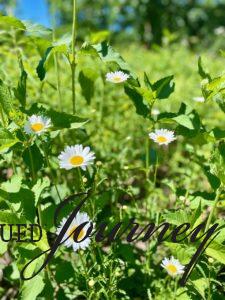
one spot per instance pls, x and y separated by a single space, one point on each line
164 87
33 158
138 99
184 120
87 78
6 98
9 22
32 288
7 139
201 71
37 30
21 90
216 251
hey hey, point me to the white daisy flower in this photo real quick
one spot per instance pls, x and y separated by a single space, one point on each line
68 238
162 136
76 156
199 99
37 125
172 266
117 77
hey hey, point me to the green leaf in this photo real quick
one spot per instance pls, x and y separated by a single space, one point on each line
142 108
108 55
99 37
216 251
20 91
33 158
6 98
201 71
218 133
36 30
147 95
178 217
214 181
3 248
64 40
184 120
64 272
26 199
12 185
41 68
164 87
43 243
147 81
32 288
44 62
7 139
221 149
39 187
47 215
216 85
87 78
182 252
9 22
87 50
195 220
201 284
8 217
62 120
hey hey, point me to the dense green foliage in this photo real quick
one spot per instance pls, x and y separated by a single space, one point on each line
131 177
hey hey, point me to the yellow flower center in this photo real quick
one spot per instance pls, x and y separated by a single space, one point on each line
76 160
161 139
172 269
37 127
117 79
80 236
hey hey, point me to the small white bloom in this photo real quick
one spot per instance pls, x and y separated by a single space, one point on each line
37 125
172 266
199 99
162 136
68 238
117 77
155 112
91 282
76 156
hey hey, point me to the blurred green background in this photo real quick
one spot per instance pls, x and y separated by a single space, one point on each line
196 23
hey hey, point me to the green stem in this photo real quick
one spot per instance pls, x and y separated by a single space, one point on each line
32 164
218 193
175 290
56 61
39 214
147 158
209 286
156 169
73 64
102 100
